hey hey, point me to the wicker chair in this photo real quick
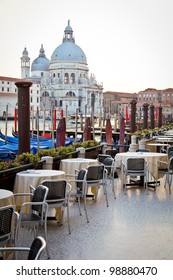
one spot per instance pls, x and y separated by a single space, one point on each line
58 195
34 252
135 167
80 189
6 224
37 214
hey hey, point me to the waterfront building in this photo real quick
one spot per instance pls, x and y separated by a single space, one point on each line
64 80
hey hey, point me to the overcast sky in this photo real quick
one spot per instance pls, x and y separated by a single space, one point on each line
128 43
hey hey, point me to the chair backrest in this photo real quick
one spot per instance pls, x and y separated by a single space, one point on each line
143 150
95 172
170 151
57 190
108 163
82 174
111 152
40 195
135 164
6 216
170 164
37 247
101 157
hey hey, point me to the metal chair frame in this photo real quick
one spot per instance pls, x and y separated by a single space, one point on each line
37 214
135 167
166 168
58 197
34 252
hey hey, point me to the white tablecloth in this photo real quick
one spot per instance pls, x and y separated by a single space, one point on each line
151 159
24 179
69 165
6 198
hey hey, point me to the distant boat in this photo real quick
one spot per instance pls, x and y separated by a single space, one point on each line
9 145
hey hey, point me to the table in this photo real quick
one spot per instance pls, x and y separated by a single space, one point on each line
6 198
158 145
70 164
164 140
26 178
151 158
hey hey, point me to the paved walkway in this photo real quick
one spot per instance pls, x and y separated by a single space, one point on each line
135 226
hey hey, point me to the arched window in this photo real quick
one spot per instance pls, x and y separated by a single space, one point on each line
70 94
72 78
66 78
45 94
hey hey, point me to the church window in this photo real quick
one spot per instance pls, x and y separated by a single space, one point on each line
58 75
2 88
41 74
72 78
8 89
66 78
60 103
37 99
45 93
70 94
31 99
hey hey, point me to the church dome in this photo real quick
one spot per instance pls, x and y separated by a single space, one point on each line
68 50
25 52
41 63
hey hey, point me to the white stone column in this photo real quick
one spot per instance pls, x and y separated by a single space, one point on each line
133 145
142 144
81 151
48 164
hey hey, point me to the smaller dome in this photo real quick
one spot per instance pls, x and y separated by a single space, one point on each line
25 52
68 28
41 63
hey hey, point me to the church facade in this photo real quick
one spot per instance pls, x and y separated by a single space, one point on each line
64 80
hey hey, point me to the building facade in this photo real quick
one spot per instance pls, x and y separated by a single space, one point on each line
64 80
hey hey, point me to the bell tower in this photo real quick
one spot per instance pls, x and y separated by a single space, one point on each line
25 64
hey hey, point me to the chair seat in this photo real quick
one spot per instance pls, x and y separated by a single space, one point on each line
4 239
30 217
165 171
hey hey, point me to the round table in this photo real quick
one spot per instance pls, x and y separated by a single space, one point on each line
31 177
151 158
6 198
69 165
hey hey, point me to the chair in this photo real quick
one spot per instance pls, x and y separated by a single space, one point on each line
111 152
143 150
170 151
80 189
109 164
135 167
166 168
36 215
96 176
6 224
58 195
34 252
101 157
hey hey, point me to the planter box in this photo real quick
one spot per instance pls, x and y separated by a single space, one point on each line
93 152
7 177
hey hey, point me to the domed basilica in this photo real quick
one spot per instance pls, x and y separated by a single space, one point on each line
64 79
